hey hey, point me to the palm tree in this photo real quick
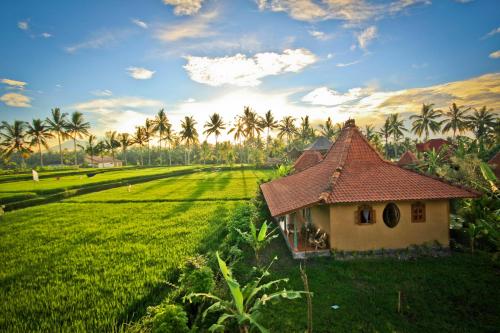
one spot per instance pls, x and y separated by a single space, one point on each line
268 123
140 138
77 128
386 132
39 133
287 128
214 126
397 128
125 141
238 131
148 133
369 132
329 130
91 147
57 124
456 119
306 132
481 122
251 123
170 138
189 133
13 139
427 121
160 125
111 143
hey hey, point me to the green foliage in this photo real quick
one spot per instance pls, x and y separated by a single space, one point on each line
169 319
283 170
245 304
258 240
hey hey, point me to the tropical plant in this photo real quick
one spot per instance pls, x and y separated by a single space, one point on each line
433 160
160 125
125 141
258 241
455 119
148 133
397 129
14 139
57 125
77 128
39 133
245 303
90 147
140 139
189 133
386 131
170 138
111 142
268 123
287 128
214 126
305 131
251 123
482 122
329 130
427 121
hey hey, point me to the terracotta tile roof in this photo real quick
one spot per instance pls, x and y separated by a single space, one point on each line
353 171
307 159
494 163
435 144
407 158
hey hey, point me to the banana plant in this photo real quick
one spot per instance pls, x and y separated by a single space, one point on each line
258 240
245 303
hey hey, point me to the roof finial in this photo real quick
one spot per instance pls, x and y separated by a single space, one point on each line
350 123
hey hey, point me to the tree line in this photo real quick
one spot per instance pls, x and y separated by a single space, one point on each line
251 134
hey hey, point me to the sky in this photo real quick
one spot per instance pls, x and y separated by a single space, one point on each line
120 61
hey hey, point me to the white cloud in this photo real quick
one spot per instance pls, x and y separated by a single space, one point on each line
320 35
347 64
102 93
366 36
16 100
140 73
329 97
119 114
353 11
46 35
495 55
492 33
23 25
241 70
140 23
196 27
330 55
14 83
185 7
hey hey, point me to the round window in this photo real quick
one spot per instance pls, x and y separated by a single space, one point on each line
391 215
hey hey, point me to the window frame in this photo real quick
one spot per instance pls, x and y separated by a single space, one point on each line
397 216
359 211
418 217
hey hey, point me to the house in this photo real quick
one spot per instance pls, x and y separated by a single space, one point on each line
293 154
494 163
407 159
357 201
322 145
102 162
307 159
435 144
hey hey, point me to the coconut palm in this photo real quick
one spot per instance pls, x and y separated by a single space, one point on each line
386 132
111 142
251 123
189 134
13 138
169 137
481 122
455 119
90 147
125 141
397 129
77 128
268 123
140 139
369 132
160 125
57 125
214 126
148 134
329 130
39 133
427 121
305 132
287 128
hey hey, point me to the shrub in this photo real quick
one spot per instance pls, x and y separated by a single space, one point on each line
169 318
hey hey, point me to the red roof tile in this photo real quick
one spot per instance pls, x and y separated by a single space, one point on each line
435 144
353 171
494 163
407 158
307 159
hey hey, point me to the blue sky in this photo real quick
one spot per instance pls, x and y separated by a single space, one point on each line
120 61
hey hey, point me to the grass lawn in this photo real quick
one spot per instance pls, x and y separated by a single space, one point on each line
460 293
10 190
90 266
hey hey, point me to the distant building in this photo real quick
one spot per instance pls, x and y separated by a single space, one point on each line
322 145
307 159
407 158
436 144
494 163
102 162
293 154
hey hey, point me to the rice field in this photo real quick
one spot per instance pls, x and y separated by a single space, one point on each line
91 263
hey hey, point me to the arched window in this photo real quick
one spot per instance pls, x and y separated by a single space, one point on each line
418 212
391 215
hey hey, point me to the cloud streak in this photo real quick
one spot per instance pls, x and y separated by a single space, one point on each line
197 27
140 73
16 100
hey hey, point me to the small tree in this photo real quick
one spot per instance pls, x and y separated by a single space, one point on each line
245 302
258 240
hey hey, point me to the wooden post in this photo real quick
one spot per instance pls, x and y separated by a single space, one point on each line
295 235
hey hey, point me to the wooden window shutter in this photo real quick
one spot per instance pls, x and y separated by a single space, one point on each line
418 212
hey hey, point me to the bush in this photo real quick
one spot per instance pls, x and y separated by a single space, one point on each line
169 318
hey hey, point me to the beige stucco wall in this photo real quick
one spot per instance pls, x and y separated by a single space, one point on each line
347 235
320 216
